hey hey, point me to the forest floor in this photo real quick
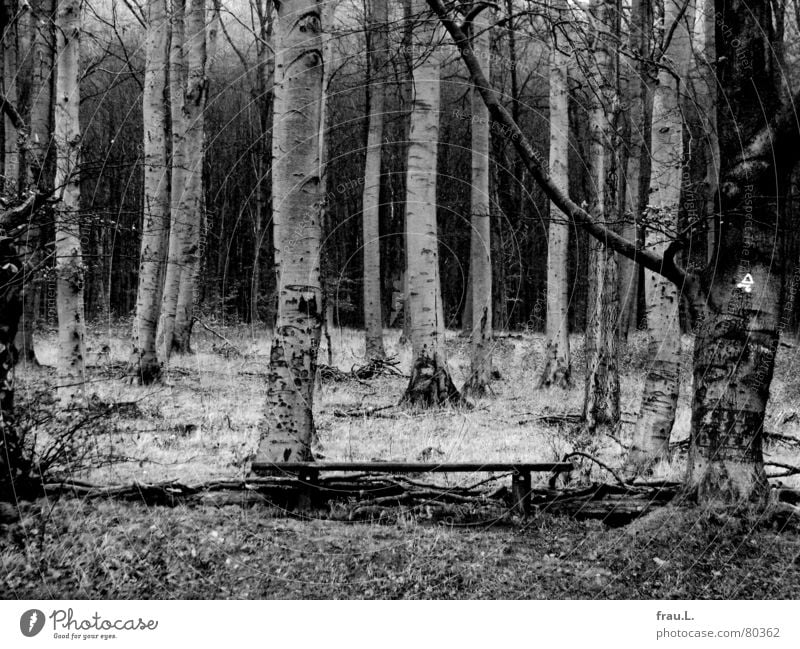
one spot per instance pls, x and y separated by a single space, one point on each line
202 424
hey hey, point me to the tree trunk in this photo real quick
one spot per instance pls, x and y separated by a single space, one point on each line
41 105
480 266
327 13
156 194
557 370
736 343
706 94
69 260
601 406
263 85
379 41
192 199
406 98
177 231
38 160
639 42
430 382
11 159
288 429
660 393
466 315
10 312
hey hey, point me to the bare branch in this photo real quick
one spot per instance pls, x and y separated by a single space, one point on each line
664 266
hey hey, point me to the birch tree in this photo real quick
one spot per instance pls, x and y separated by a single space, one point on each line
430 382
601 404
177 229
38 156
192 200
41 100
378 25
156 193
288 429
706 97
558 367
11 127
480 265
660 394
69 260
637 96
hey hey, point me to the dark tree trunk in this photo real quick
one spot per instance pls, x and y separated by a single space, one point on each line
10 313
736 344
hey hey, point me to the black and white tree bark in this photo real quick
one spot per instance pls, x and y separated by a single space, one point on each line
177 228
11 72
660 393
480 265
557 371
69 258
11 273
734 356
705 92
38 157
601 402
430 382
378 25
192 200
155 227
637 96
288 429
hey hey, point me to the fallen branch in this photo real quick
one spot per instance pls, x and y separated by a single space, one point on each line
597 462
366 495
228 343
370 411
378 367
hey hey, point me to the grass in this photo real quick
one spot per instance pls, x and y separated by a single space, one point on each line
202 423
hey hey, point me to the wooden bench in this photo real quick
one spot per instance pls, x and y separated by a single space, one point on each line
308 472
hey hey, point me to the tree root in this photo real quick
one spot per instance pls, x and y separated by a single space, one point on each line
430 385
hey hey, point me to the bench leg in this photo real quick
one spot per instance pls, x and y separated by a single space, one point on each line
309 492
521 492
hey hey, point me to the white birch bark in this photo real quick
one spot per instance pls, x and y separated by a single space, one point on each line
430 382
480 267
192 199
177 235
288 429
156 194
69 261
660 393
601 405
557 371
